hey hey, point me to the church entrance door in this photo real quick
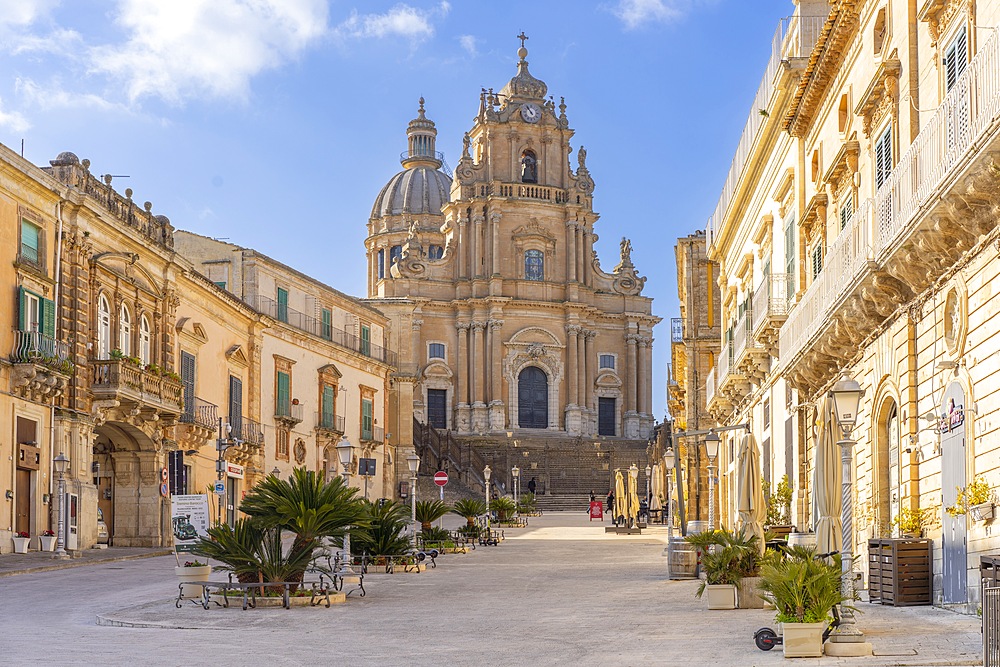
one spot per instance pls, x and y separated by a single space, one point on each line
532 398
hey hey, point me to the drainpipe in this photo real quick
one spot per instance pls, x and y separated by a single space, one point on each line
52 408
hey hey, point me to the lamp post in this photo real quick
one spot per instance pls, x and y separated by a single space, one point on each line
61 463
516 472
633 472
486 475
346 454
649 498
846 394
276 471
668 463
413 463
221 445
712 441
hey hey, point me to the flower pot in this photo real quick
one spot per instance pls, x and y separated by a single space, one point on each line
983 511
47 542
748 595
197 573
721 596
21 545
803 640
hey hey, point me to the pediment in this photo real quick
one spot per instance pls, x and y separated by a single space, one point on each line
330 370
126 266
236 355
608 379
530 335
191 331
533 231
437 369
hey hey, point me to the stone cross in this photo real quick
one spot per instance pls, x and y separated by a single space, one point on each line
522 37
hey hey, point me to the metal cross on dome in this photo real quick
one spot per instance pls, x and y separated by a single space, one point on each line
522 37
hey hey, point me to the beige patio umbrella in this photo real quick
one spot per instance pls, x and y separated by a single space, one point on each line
826 482
656 488
750 495
633 498
620 501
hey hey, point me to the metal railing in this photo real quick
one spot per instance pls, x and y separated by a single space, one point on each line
772 299
794 37
329 421
30 255
671 379
710 386
957 127
36 347
199 413
439 450
724 363
288 410
741 334
676 329
991 625
316 327
247 430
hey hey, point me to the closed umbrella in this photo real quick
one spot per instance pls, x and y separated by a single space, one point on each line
750 494
656 489
620 501
633 498
826 483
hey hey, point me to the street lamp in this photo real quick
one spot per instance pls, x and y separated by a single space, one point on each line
486 475
345 452
276 471
846 395
633 472
221 445
61 463
516 472
649 498
668 463
413 462
712 442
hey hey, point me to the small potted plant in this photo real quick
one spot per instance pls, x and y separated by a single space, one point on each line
779 507
47 541
21 540
192 570
719 559
803 590
976 499
911 522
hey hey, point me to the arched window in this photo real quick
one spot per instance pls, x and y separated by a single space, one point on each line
534 265
145 339
125 331
381 263
103 328
529 167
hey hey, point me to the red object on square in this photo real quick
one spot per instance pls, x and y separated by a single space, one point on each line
596 511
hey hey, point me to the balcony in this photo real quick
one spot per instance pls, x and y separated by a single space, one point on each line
374 435
676 329
289 413
327 422
198 423
929 212
154 396
675 391
311 325
770 307
42 367
246 440
750 358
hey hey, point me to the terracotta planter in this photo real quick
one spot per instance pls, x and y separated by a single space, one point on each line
803 640
47 542
748 595
721 596
21 545
199 573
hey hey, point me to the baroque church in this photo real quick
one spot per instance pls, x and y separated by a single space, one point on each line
508 329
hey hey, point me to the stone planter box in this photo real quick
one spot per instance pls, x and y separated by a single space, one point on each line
47 542
803 640
748 595
21 545
721 596
199 573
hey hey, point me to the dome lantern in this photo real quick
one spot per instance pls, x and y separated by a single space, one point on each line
421 136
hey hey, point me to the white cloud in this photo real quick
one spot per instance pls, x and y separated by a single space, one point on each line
24 12
176 50
468 43
639 13
61 41
54 96
13 120
401 21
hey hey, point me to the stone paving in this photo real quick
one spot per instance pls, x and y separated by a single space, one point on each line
559 592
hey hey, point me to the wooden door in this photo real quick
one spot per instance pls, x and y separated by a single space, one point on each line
22 521
533 398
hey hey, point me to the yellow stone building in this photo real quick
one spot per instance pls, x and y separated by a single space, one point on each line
856 232
503 317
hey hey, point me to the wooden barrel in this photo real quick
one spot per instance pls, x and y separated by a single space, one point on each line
682 559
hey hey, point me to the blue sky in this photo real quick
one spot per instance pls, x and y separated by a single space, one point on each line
275 123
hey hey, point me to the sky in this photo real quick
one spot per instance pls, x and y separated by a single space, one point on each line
275 123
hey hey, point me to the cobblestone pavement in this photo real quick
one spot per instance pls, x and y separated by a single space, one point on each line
37 561
559 592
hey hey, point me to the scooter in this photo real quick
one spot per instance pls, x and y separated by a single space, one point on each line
766 638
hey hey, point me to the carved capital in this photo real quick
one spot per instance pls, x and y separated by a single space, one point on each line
573 329
496 325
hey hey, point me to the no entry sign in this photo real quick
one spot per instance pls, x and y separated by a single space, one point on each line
440 478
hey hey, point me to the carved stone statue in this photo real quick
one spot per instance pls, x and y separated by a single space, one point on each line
529 168
581 157
466 143
626 251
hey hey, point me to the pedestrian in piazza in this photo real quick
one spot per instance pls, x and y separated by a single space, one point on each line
531 486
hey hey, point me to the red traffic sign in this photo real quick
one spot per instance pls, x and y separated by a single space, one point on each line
440 478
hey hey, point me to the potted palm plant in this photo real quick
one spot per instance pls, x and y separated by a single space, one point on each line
429 511
385 534
718 561
469 509
803 590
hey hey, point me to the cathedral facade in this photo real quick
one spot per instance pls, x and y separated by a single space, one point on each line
502 315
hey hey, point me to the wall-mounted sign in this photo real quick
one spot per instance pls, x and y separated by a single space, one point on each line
234 470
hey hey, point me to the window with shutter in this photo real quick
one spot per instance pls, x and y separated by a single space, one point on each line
236 406
367 419
30 316
846 211
790 248
145 338
327 324
30 243
125 331
282 304
435 351
103 328
817 260
187 379
883 157
282 405
326 415
366 340
956 59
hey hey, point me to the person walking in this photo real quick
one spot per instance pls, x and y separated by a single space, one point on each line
531 486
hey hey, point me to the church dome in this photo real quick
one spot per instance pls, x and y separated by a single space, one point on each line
421 188
417 190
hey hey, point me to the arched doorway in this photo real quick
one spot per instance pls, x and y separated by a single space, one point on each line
887 480
532 398
953 476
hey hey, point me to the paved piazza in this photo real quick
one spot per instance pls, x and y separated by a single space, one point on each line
559 592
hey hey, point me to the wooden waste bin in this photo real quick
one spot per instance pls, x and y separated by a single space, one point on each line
899 572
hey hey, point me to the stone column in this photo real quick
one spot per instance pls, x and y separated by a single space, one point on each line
581 365
631 341
641 376
463 250
415 347
496 417
570 251
578 252
591 374
478 356
495 261
588 245
573 381
475 250
462 371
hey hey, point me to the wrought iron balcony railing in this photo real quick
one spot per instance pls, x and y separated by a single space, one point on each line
676 329
327 421
199 413
247 430
771 300
288 411
36 347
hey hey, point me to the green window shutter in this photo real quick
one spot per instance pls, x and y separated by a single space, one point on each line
22 310
327 324
790 249
366 419
49 318
29 242
282 407
282 304
366 339
327 403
